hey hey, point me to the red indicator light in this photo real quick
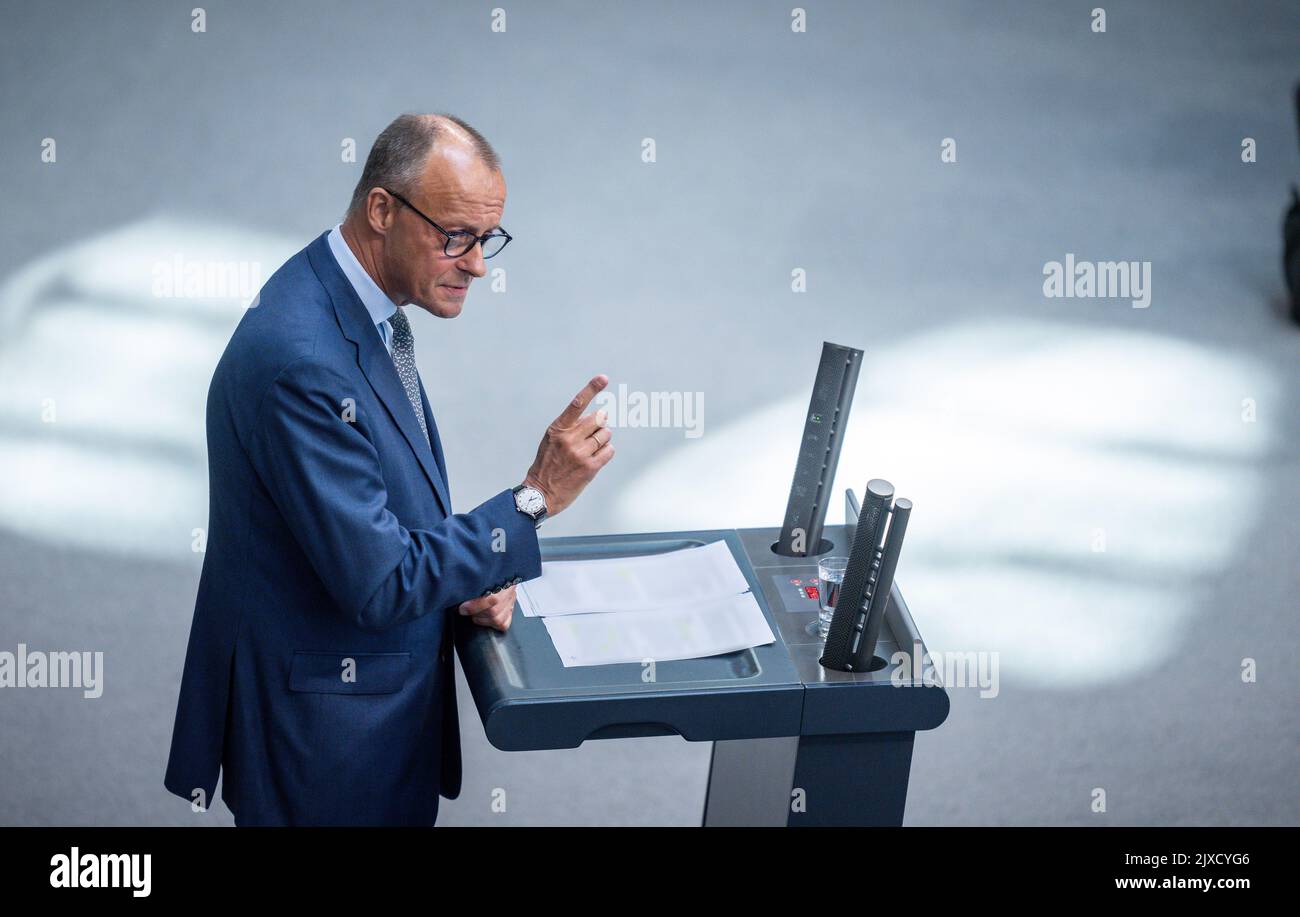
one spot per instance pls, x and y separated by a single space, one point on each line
811 592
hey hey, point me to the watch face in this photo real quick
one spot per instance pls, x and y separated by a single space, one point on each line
532 501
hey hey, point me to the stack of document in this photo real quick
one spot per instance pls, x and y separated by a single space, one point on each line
679 605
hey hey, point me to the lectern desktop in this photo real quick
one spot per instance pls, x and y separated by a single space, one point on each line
793 743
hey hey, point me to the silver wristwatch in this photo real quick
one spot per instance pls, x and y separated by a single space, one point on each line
530 502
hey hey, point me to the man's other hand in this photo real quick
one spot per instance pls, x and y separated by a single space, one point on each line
493 610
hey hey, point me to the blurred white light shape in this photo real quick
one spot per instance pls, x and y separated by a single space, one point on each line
123 466
1024 446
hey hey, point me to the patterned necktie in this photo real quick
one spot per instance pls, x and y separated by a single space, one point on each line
404 360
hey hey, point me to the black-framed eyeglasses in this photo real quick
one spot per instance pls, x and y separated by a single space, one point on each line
458 241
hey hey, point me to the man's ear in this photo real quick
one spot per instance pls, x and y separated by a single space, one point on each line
381 210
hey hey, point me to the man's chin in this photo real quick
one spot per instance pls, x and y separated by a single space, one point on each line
443 306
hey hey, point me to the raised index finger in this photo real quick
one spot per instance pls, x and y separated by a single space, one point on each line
572 413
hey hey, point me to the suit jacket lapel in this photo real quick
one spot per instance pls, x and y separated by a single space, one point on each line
376 363
437 443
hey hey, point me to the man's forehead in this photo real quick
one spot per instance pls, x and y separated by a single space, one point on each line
459 182
465 210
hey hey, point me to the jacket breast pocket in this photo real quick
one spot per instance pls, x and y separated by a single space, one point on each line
348 673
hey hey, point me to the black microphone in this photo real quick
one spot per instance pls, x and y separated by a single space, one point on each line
870 624
855 593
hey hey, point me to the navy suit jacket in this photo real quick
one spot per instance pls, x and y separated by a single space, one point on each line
319 676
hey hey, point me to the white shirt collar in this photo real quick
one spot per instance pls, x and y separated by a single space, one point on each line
376 301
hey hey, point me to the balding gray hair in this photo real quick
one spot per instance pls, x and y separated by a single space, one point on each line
397 159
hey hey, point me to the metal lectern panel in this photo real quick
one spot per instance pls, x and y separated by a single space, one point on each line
890 699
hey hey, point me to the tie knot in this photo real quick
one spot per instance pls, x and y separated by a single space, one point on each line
401 327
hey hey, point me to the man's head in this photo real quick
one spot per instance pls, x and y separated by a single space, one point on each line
446 170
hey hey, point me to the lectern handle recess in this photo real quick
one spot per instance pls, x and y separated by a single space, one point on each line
633 730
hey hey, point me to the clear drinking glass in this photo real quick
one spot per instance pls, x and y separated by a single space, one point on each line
830 578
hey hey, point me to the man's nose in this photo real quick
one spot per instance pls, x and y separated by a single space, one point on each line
472 261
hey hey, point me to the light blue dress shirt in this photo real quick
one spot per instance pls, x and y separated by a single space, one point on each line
376 301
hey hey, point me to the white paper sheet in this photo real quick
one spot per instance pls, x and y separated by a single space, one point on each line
700 629
630 584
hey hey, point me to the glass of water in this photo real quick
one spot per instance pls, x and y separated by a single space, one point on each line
830 578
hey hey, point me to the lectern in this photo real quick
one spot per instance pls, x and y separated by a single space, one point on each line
793 743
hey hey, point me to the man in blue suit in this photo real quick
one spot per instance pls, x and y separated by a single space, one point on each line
319 677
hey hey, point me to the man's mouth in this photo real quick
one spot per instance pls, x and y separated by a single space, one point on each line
454 289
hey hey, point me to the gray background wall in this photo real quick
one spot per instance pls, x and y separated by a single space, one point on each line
1023 427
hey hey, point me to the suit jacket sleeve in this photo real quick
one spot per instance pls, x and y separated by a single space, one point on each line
325 476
